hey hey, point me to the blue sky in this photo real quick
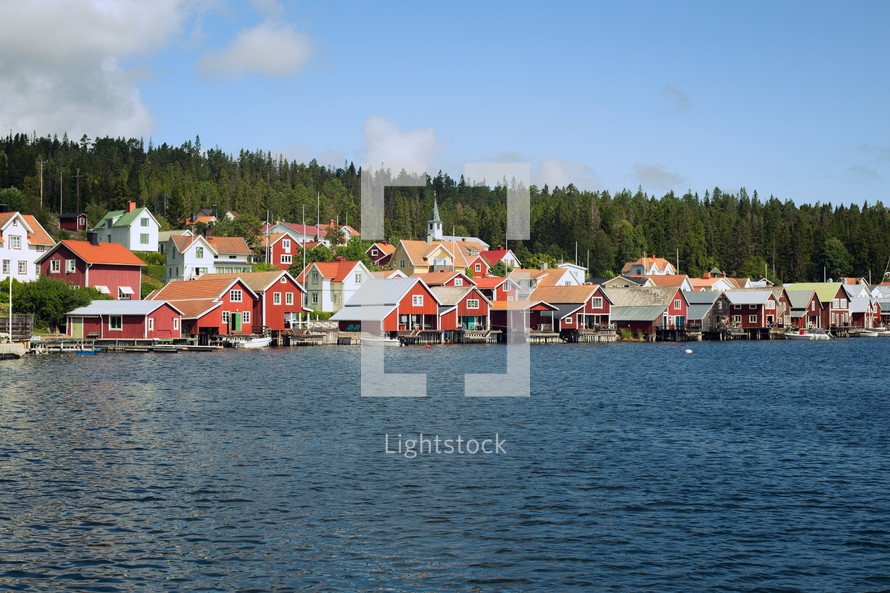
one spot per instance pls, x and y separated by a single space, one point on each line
790 99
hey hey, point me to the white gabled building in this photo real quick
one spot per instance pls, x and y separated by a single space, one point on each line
22 241
134 228
331 284
193 256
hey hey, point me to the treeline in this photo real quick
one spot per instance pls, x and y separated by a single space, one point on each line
738 232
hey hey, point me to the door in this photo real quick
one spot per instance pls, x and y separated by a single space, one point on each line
77 327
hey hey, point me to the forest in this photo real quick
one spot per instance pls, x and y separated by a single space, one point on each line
741 233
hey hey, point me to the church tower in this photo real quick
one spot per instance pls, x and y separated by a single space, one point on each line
434 226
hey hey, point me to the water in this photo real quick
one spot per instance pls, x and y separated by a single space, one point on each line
740 467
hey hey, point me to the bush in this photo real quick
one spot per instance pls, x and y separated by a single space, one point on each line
50 299
152 258
626 334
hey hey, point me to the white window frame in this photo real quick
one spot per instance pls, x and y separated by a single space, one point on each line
286 258
199 252
478 267
15 242
245 317
225 317
151 324
175 323
70 266
358 277
472 303
417 300
568 320
288 298
143 238
678 303
285 244
770 304
737 307
120 319
236 296
143 221
276 298
752 319
6 266
314 299
23 267
458 281
401 263
597 302
736 318
55 266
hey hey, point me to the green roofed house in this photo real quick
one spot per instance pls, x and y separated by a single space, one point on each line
134 228
833 299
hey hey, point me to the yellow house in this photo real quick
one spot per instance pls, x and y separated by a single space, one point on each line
419 257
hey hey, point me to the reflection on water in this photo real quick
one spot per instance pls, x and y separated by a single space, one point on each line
743 466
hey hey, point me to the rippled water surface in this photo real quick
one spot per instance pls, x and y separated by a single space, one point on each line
739 467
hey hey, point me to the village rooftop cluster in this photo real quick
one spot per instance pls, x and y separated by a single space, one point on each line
440 290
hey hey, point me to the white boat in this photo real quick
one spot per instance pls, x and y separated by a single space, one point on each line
253 343
381 342
870 333
808 335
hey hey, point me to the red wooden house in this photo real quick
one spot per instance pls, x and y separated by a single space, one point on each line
497 288
462 308
445 278
73 222
752 309
282 249
110 267
215 304
380 253
393 305
806 310
584 307
125 320
532 311
645 310
479 266
834 301
280 302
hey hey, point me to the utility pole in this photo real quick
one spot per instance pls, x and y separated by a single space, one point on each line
41 163
317 215
60 192
78 176
576 253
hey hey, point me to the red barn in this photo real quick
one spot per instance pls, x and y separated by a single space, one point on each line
73 222
380 253
578 307
397 304
109 267
281 248
752 309
125 320
215 304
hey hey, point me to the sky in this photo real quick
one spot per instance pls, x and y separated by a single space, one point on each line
786 98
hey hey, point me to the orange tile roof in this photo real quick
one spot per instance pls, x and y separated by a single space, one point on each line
103 253
37 236
647 263
551 277
386 248
211 288
489 282
335 270
194 308
564 294
222 245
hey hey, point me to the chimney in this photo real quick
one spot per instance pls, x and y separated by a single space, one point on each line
131 206
208 232
707 276
338 258
93 237
500 247
543 265
332 222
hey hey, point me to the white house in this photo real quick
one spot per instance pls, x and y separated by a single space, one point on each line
300 233
192 256
330 284
22 241
164 238
648 266
134 228
579 273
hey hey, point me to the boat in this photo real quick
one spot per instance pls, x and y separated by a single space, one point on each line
870 333
381 342
260 342
809 334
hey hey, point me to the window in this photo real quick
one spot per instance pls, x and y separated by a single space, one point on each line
235 296
678 303
288 298
15 242
834 303
285 243
175 323
358 277
737 307
116 323
752 318
373 253
401 263
276 298
6 266
334 297
736 318
199 252
70 266
143 221
771 304
55 266
245 317
478 267
458 281
843 303
568 320
283 280
286 259
812 305
225 317
314 298
417 300
23 267
315 277
151 324
41 249
472 303
597 303
143 239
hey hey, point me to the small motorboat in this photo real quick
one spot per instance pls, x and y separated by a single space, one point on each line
259 342
809 334
381 342
870 333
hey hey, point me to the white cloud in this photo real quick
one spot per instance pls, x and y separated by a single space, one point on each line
561 173
267 49
60 69
656 176
384 142
679 100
